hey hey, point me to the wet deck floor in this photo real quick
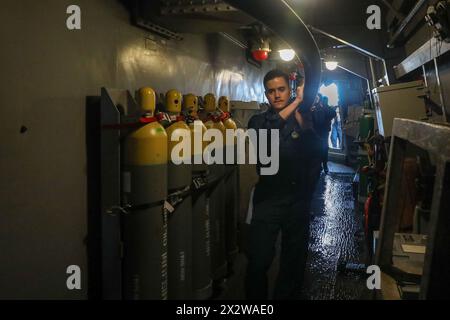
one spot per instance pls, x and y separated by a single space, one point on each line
336 238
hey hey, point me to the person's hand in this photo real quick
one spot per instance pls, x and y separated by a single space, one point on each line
287 111
299 92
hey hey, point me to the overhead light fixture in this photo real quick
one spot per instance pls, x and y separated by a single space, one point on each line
286 54
260 50
331 65
260 55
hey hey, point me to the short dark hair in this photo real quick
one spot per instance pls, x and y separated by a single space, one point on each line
275 73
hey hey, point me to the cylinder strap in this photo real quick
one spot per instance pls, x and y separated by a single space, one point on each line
119 126
199 184
147 120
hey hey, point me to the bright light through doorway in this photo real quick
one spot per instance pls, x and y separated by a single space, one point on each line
331 92
335 137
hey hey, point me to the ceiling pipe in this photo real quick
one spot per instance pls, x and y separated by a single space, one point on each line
354 46
362 77
360 50
394 11
405 22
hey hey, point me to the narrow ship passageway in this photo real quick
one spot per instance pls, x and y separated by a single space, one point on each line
336 240
337 249
171 152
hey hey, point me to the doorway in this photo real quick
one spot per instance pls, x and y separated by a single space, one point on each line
331 91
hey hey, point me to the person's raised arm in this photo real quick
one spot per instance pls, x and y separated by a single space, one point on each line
286 112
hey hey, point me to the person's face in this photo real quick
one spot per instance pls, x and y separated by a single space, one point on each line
278 93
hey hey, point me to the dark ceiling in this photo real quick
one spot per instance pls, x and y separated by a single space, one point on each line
340 17
332 12
345 19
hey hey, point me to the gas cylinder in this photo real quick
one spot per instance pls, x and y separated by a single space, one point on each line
231 186
213 121
190 109
216 197
145 188
224 106
180 221
228 122
201 252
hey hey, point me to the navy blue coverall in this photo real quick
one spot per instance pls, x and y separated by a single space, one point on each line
282 203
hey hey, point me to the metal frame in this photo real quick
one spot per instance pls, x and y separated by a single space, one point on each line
233 40
115 104
164 32
364 78
360 50
196 8
441 95
406 21
429 52
426 53
434 138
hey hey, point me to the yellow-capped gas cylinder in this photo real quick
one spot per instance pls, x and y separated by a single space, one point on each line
174 100
212 120
231 186
216 196
145 185
209 108
209 103
146 98
228 122
198 129
190 105
201 253
224 106
180 221
179 175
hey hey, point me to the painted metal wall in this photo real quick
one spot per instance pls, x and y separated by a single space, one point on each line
47 72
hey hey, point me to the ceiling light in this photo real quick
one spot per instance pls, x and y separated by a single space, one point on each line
331 65
287 54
